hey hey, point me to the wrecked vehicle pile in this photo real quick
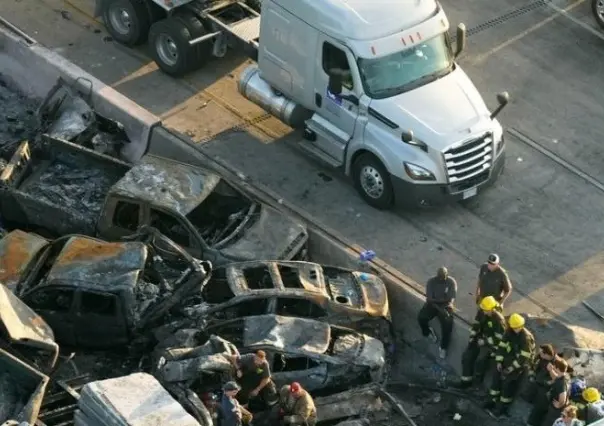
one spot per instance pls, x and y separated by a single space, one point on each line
100 255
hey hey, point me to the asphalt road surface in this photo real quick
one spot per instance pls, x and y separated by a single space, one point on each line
544 215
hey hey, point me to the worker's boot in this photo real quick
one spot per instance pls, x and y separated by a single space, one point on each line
489 405
501 411
462 384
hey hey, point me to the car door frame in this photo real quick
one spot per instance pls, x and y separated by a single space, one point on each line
107 228
304 377
92 329
61 322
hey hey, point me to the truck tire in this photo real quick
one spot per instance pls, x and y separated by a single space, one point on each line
372 181
128 21
170 49
597 7
254 4
203 50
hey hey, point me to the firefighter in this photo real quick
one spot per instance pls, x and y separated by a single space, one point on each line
539 377
296 406
254 375
577 386
548 407
514 355
592 406
485 335
493 280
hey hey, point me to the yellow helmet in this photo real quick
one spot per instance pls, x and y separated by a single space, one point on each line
488 303
591 395
516 321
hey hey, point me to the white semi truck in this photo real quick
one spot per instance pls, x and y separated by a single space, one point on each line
373 84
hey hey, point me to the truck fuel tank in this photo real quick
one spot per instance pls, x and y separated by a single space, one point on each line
254 88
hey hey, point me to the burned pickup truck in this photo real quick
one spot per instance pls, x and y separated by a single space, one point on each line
297 289
61 188
94 293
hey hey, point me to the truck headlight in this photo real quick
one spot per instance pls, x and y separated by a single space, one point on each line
416 172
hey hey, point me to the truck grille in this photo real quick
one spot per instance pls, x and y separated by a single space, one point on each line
472 159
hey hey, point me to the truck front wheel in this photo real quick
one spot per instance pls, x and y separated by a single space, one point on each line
597 7
372 181
128 21
170 48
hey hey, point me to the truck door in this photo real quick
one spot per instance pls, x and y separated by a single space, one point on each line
337 116
57 306
100 320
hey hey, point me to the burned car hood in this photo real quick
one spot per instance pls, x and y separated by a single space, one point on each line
272 236
17 250
360 349
373 293
358 290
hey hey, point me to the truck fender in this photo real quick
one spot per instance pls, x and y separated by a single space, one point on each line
357 152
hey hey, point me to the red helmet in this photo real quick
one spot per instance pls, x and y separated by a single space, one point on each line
295 387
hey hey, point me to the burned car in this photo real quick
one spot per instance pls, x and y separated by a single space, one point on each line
57 188
297 289
94 293
320 356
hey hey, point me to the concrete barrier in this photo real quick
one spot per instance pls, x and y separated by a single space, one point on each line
35 69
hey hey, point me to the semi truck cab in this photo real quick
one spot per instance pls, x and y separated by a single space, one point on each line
378 93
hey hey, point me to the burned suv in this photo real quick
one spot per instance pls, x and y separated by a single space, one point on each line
298 289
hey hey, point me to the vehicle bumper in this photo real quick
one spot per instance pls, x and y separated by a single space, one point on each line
408 194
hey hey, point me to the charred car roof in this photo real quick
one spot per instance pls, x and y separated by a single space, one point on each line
357 290
17 250
286 333
309 275
167 184
98 264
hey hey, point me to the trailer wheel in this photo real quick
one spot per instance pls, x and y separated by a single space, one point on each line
372 181
128 21
196 29
170 49
597 7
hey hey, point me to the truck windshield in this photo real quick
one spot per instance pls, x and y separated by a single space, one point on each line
408 69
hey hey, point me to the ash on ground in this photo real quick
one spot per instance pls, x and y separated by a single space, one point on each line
17 116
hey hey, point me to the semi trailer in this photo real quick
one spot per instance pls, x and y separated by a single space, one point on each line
374 86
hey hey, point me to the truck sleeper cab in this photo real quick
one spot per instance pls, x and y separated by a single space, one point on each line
378 93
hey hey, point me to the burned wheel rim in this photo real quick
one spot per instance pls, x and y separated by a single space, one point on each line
120 20
372 182
600 9
167 49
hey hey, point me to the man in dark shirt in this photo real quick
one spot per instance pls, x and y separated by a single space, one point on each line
441 291
494 281
231 413
254 374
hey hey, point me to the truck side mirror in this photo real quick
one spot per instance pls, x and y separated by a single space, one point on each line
407 136
335 84
461 39
503 99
